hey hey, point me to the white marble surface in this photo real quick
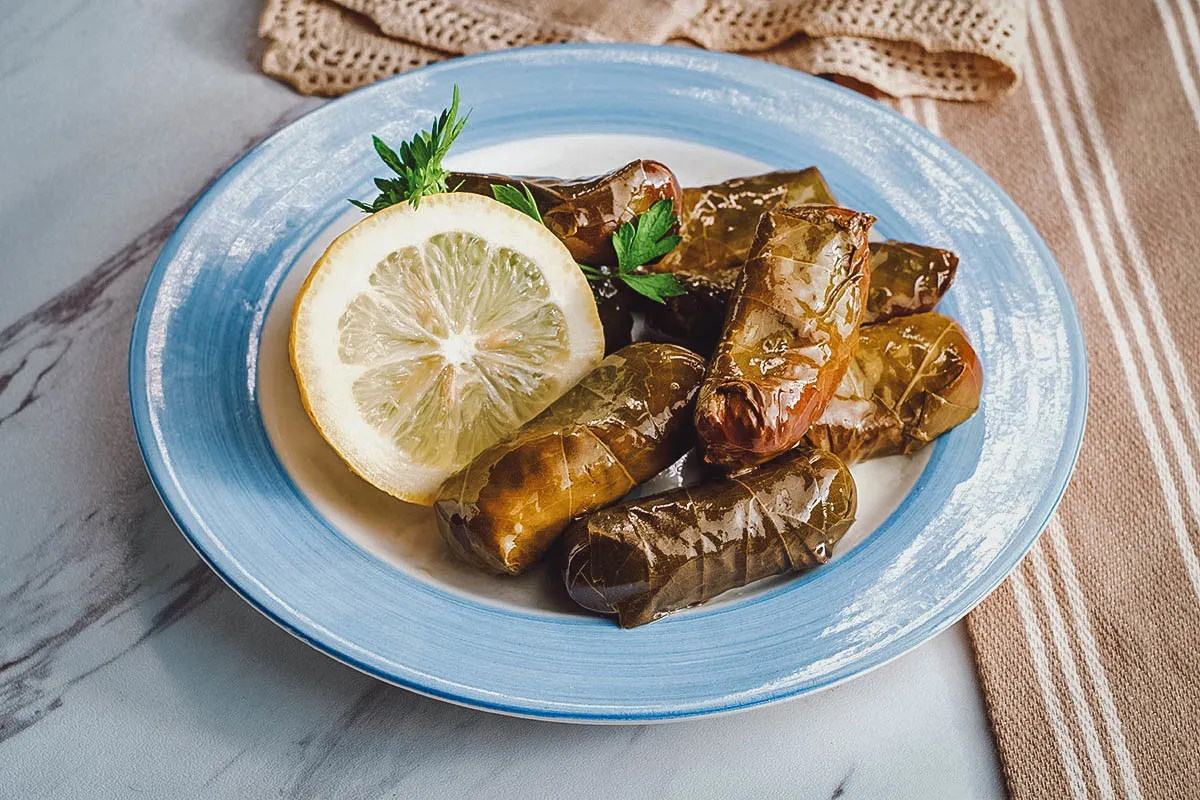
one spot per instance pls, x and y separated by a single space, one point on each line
126 668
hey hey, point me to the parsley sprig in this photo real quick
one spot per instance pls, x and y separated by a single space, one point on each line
520 199
637 243
645 239
418 164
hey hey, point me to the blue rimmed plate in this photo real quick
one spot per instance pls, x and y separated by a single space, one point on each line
364 578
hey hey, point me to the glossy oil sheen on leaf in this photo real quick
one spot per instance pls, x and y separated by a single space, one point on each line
614 304
585 212
693 319
912 379
718 221
624 422
905 279
790 333
645 558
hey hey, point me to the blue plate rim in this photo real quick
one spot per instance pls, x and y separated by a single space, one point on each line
173 499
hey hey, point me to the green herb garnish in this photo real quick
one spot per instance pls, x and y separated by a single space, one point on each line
645 239
656 285
520 199
642 241
419 163
636 243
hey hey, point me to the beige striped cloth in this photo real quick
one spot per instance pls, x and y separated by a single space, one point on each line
1089 654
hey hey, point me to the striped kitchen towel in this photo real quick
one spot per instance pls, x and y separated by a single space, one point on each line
1089 654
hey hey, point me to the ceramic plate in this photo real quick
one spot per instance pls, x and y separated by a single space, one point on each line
365 578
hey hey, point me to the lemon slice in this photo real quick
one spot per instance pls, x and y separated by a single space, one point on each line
422 336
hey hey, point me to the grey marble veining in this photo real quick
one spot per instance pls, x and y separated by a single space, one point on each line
126 668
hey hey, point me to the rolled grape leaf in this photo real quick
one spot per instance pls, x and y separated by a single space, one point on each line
615 306
790 333
693 319
645 558
624 422
718 221
905 279
911 380
585 212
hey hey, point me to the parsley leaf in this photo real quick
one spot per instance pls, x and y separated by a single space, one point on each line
513 198
655 285
642 241
646 239
418 164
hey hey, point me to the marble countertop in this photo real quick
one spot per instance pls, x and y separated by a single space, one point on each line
126 668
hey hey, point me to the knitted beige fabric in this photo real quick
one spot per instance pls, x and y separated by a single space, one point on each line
321 49
465 26
949 49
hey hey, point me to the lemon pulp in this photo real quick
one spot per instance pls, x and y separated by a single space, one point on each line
455 337
422 336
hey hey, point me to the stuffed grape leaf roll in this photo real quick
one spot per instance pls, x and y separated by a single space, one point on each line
624 422
645 558
614 304
911 380
791 330
693 319
718 222
585 212
905 279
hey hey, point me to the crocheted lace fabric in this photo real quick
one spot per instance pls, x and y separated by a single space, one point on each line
948 49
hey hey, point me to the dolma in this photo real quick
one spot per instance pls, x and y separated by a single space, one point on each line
585 212
790 333
905 279
624 422
719 220
911 380
615 306
644 558
693 319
